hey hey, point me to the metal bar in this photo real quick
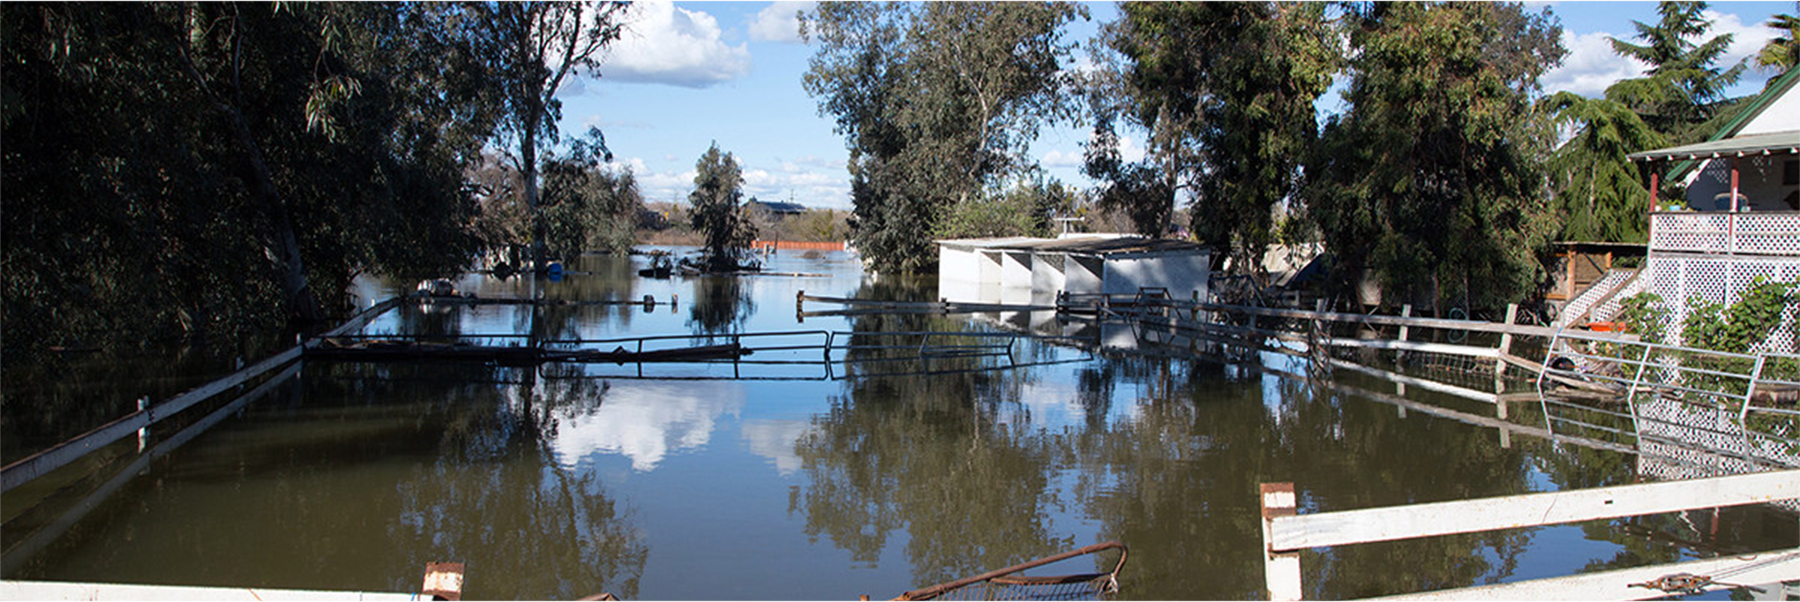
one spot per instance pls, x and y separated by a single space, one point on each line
17 555
1530 510
41 463
929 592
1417 382
1465 350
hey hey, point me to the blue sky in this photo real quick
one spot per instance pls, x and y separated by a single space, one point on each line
690 74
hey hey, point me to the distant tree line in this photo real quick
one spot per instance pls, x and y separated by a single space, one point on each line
1445 177
179 170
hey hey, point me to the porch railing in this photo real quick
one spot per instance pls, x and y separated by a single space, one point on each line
1741 233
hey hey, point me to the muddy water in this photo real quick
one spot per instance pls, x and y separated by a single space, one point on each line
873 474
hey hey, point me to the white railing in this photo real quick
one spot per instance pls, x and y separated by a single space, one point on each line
1285 533
1759 233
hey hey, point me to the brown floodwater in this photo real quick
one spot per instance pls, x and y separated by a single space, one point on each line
801 477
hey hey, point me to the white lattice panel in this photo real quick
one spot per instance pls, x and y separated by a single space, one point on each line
1606 311
1704 431
1696 232
1768 233
1757 233
1716 279
1593 294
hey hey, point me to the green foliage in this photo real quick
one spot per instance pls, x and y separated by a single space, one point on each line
1783 51
587 208
1023 210
1758 312
1599 192
717 210
1643 313
527 50
183 170
936 102
1225 91
1432 178
1684 79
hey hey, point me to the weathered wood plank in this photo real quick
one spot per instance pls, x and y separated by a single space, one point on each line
1754 569
53 590
1445 518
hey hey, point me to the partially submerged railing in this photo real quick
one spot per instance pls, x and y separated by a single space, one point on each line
825 349
38 464
1286 533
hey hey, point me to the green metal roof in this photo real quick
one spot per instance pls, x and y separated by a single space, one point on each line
1776 143
1761 103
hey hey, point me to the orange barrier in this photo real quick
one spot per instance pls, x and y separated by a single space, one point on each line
795 245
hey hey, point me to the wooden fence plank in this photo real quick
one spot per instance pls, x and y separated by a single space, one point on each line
51 590
1754 569
1445 518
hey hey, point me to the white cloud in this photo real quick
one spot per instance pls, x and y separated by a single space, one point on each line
1129 151
823 186
775 440
779 22
1057 158
646 422
1747 38
665 44
1592 65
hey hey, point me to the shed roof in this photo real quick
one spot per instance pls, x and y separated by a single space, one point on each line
1085 245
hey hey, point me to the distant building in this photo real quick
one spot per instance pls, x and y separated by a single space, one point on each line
778 209
1025 270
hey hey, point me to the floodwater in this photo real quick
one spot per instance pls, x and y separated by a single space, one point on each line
874 473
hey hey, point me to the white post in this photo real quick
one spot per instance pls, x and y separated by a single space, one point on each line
143 433
1281 571
1512 313
1400 356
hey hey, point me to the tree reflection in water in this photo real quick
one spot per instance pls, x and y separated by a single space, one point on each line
360 479
955 461
496 498
720 305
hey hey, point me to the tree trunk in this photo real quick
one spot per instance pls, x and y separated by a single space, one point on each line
304 313
529 167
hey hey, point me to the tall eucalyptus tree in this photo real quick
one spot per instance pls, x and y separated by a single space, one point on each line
937 103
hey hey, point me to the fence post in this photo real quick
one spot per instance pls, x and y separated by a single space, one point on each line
1405 312
1281 571
143 433
1512 313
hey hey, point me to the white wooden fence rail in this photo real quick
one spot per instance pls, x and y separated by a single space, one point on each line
1285 533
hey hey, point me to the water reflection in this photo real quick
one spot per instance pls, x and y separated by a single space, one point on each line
720 305
777 440
646 421
873 484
